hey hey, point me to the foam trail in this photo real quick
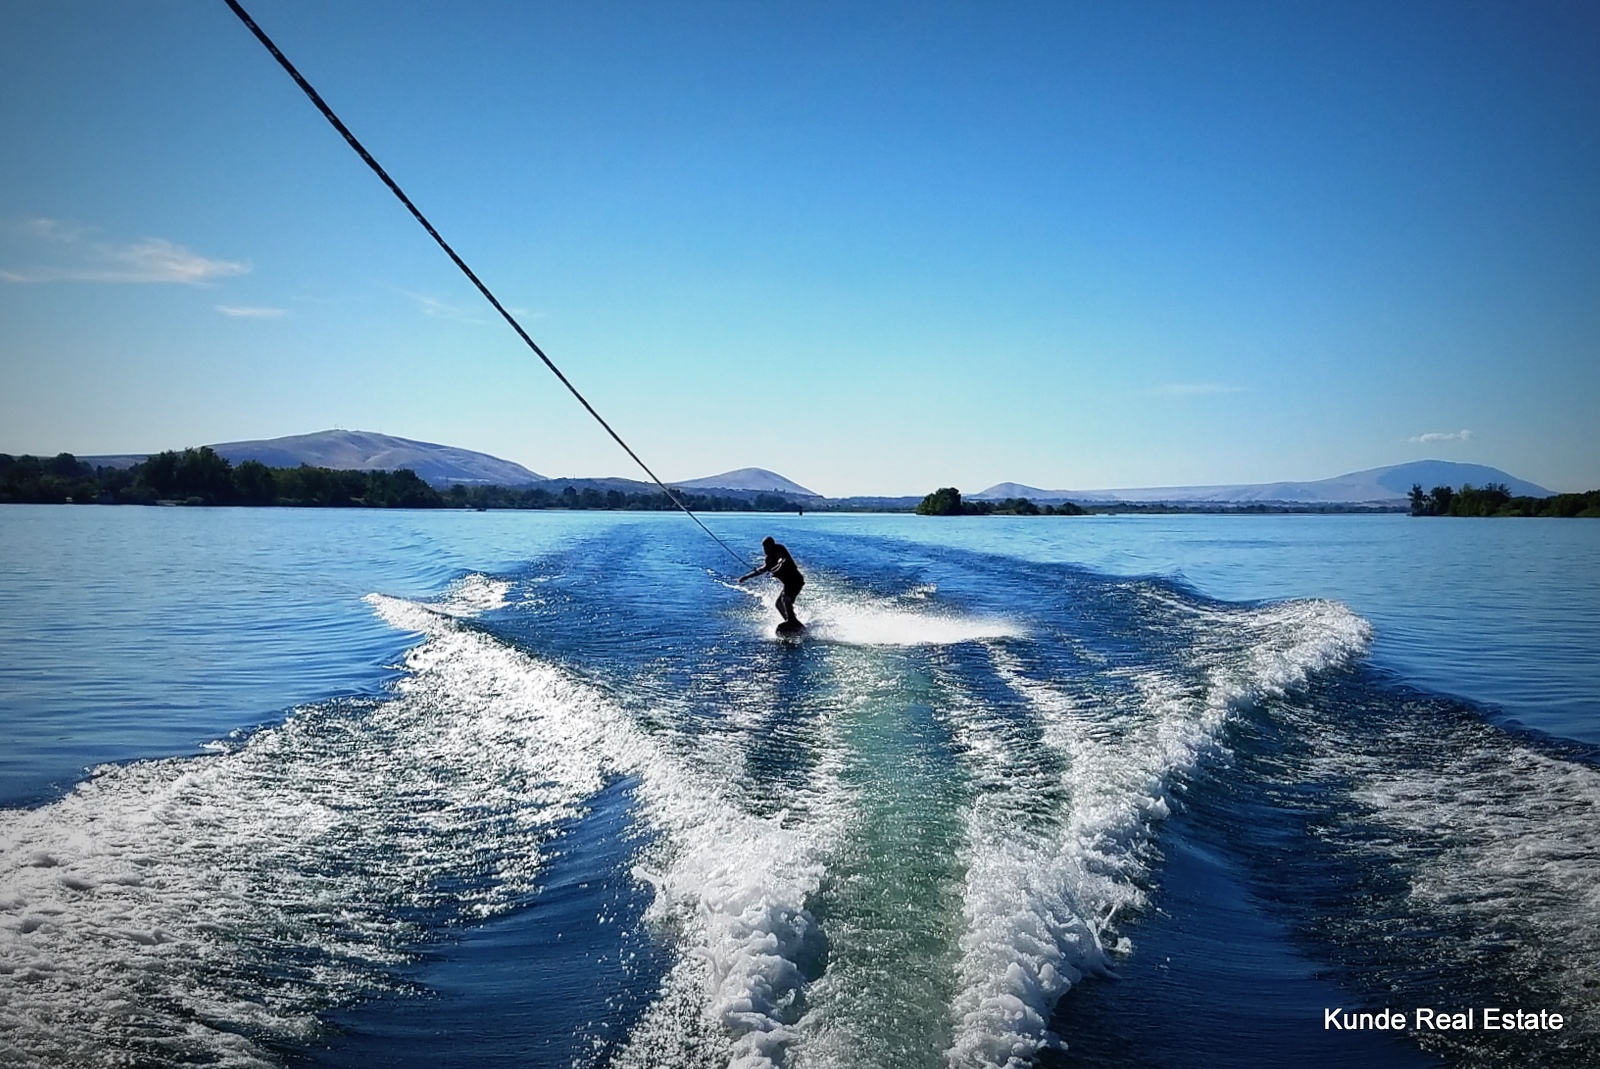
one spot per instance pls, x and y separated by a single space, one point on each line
474 595
734 890
1543 873
137 910
1495 846
737 897
1041 895
863 620
731 884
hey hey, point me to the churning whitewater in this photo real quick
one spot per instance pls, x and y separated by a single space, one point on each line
900 843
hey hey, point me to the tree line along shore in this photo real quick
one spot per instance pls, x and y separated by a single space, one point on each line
947 501
1496 499
204 477
1493 499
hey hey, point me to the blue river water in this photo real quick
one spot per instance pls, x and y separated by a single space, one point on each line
294 787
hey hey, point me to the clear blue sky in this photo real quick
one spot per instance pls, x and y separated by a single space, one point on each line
876 247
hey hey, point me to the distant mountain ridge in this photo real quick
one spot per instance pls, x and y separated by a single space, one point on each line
437 465
758 479
767 484
1386 485
443 466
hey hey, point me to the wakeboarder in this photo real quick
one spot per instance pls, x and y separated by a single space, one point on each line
781 567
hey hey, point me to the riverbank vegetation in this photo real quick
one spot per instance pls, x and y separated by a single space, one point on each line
1496 499
203 477
947 501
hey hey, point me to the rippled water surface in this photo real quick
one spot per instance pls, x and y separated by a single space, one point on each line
357 788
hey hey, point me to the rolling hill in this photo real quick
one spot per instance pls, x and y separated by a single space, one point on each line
1386 485
443 465
438 465
758 479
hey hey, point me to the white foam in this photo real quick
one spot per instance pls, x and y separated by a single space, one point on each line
735 889
1513 843
863 620
732 885
474 595
1041 897
138 908
737 893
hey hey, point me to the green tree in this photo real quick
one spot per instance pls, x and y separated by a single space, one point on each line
254 484
51 490
204 474
319 487
159 473
66 466
1476 501
945 501
403 489
192 474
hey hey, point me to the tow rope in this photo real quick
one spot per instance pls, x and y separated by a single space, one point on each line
394 187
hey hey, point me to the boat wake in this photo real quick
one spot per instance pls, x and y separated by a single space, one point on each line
901 845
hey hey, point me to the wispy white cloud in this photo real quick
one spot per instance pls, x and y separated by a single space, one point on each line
240 311
52 229
433 306
72 253
1443 436
1194 389
470 313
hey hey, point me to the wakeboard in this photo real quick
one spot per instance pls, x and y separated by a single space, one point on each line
791 628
